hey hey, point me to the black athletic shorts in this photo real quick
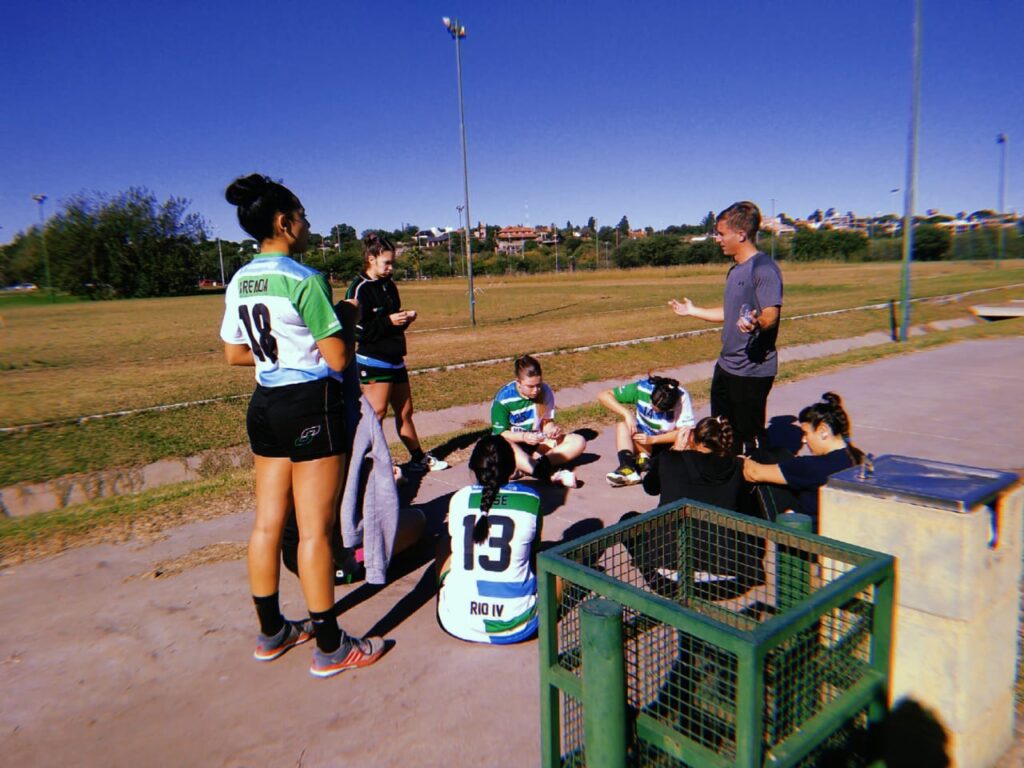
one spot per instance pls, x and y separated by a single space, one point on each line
300 422
373 374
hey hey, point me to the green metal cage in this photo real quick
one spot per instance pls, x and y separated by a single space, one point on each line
692 636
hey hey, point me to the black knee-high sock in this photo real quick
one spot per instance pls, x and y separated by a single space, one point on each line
543 469
417 455
328 635
268 609
627 459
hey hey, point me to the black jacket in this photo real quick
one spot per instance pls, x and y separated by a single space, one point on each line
376 335
703 477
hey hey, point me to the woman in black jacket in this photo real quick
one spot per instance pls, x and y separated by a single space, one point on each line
705 471
380 353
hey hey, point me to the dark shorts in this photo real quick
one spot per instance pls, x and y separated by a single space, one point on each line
300 422
372 374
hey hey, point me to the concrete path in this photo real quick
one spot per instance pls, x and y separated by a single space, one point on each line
101 667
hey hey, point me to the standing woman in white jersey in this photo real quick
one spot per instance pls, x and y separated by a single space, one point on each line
381 351
280 319
488 589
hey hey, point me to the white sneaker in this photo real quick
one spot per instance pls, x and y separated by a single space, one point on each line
429 463
564 477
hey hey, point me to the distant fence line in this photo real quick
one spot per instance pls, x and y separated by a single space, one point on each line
496 360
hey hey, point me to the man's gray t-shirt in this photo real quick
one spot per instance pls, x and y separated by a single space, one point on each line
757 282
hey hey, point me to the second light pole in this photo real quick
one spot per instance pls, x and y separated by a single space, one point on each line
457 31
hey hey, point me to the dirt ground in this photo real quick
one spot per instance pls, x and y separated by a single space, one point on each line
138 652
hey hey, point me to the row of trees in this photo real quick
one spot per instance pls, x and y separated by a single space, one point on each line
133 245
127 245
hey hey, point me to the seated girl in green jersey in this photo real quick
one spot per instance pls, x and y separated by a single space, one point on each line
488 589
523 413
662 413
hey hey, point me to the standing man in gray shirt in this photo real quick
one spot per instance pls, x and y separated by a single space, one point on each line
750 313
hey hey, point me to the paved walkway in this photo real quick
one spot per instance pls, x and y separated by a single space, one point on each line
99 667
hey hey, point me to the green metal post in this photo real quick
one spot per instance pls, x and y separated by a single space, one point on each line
548 652
604 684
881 643
750 698
791 566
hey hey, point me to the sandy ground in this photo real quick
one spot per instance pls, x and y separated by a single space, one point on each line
140 653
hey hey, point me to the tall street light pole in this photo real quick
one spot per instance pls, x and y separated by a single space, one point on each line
462 245
41 199
911 180
457 31
894 192
775 225
1003 142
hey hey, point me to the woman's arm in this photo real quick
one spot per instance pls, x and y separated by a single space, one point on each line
754 472
337 353
607 399
238 354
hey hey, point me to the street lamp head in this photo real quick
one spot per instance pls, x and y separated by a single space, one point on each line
39 198
1001 138
454 28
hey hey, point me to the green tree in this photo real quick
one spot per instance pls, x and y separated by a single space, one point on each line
342 233
931 243
623 226
707 224
130 245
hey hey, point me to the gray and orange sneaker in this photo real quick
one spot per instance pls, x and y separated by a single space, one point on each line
353 652
270 647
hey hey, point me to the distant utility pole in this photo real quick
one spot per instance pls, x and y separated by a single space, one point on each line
911 181
894 192
457 32
220 253
554 233
1003 142
775 226
462 245
41 199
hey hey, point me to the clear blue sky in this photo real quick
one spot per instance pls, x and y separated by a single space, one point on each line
657 110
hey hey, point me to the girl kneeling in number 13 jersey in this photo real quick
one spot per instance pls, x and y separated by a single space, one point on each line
488 590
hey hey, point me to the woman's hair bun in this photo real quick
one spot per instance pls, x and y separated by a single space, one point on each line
246 190
832 399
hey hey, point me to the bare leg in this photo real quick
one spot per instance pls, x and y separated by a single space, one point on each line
568 448
401 405
316 487
378 393
623 440
273 501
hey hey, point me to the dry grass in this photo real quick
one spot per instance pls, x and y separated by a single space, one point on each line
66 360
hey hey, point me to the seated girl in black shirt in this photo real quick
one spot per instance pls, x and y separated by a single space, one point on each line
826 428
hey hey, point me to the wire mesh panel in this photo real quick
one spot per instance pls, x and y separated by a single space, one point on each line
742 640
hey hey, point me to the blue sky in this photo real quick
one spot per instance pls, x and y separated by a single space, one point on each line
657 110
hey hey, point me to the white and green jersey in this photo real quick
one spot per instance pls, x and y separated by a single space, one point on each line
490 593
511 412
280 309
649 419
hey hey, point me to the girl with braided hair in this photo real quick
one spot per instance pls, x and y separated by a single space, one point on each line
793 483
702 468
488 590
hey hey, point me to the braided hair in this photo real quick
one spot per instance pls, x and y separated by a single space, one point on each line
493 463
831 413
665 393
715 434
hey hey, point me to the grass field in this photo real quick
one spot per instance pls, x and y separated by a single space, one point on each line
65 360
